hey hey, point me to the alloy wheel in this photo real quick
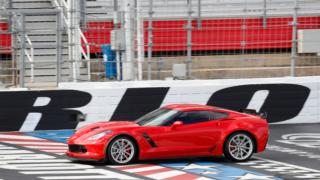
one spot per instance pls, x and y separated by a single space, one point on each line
122 150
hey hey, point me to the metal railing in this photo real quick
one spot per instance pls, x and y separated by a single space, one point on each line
29 55
63 6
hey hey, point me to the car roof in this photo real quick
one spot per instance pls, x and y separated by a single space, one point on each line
191 107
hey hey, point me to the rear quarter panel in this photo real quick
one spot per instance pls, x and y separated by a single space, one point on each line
255 126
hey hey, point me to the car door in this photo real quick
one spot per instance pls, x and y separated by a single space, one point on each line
196 136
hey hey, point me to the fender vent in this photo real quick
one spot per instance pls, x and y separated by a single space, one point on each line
149 140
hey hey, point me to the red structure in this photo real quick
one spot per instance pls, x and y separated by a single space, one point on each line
215 34
5 39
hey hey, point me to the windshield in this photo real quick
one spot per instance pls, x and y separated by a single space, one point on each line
157 118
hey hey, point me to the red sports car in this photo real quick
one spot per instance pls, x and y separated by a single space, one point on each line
178 130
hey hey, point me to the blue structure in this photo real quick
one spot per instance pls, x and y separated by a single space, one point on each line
109 57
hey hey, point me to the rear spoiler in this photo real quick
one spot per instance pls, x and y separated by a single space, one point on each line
254 112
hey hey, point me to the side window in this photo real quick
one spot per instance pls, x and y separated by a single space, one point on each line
194 117
217 115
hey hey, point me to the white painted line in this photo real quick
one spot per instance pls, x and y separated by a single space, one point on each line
75 177
55 151
167 174
83 174
119 166
46 166
57 172
47 147
33 143
203 178
135 170
289 165
22 161
3 148
250 162
19 137
15 152
61 153
280 169
298 171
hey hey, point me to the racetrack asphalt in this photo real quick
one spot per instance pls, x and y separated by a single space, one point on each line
293 152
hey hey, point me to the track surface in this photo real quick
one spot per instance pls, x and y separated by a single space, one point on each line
292 153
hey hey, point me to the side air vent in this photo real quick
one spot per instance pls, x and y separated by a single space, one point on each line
149 140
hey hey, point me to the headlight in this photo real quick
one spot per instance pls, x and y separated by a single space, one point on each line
100 135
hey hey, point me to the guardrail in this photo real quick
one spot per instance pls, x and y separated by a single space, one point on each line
29 55
65 9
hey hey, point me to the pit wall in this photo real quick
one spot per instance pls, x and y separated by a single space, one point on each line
286 100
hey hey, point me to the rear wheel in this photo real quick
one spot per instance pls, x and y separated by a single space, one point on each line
122 150
239 147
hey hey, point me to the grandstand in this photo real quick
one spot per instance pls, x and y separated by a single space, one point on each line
44 42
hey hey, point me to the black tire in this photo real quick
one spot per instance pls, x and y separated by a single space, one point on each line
239 152
112 153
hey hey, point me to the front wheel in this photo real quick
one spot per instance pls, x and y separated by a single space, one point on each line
239 147
121 150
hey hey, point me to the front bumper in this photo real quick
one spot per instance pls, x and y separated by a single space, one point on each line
86 151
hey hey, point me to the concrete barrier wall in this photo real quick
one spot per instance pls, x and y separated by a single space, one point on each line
286 100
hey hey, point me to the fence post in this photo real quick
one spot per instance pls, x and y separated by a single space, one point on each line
13 30
294 39
22 49
150 38
117 21
189 40
140 38
264 23
128 65
59 46
199 15
74 38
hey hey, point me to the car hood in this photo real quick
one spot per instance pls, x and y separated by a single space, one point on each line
101 126
95 128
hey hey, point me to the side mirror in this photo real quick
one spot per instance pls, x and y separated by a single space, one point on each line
176 124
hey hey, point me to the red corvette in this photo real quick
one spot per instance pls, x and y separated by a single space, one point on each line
173 131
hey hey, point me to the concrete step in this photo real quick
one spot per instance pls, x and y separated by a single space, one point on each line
64 78
43 32
51 71
41 18
233 61
46 44
46 58
43 45
47 65
47 51
50 38
50 25
41 85
23 1
34 4
50 64
237 73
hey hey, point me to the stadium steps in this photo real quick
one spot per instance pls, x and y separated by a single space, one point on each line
97 10
42 31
